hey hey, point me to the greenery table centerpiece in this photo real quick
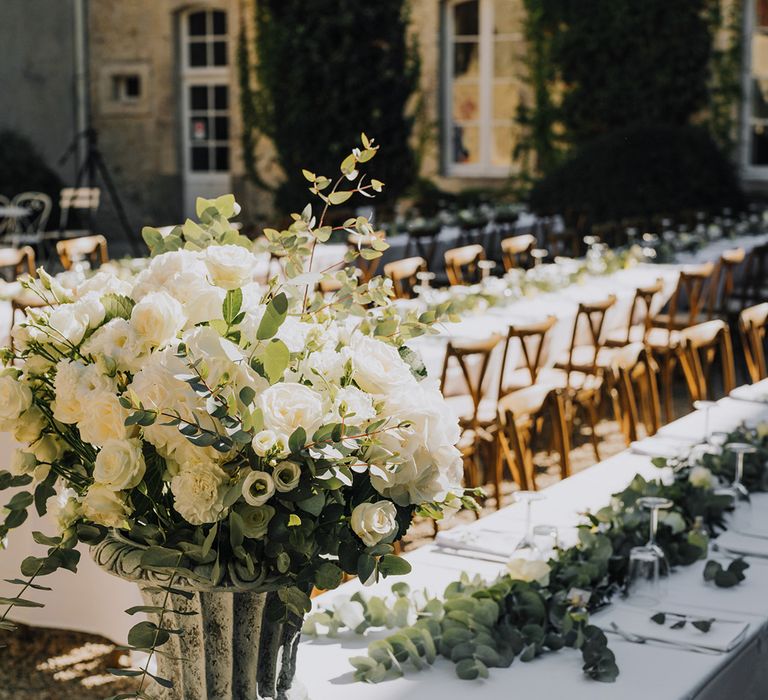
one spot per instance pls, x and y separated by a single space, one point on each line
226 444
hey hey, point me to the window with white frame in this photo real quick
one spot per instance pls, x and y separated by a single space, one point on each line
482 66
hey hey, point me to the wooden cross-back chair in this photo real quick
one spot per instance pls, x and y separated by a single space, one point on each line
91 248
15 262
516 251
475 414
752 326
461 264
700 347
690 289
86 199
722 285
754 283
639 319
635 391
584 357
532 339
517 416
403 274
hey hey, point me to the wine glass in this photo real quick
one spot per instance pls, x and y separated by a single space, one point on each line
547 538
705 406
485 268
648 564
527 548
742 503
538 254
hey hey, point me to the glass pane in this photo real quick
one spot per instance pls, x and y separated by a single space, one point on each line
759 155
466 18
219 22
222 158
465 102
760 99
196 24
501 146
198 97
761 13
466 144
197 56
198 129
221 128
200 158
506 98
466 59
219 53
506 62
221 97
507 16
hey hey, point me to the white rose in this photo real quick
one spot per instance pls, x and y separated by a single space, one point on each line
374 522
47 449
230 266
199 492
286 476
104 506
701 478
378 367
67 324
30 425
157 319
67 407
22 462
258 488
325 366
103 420
255 520
529 570
289 406
119 464
263 442
357 405
15 397
116 341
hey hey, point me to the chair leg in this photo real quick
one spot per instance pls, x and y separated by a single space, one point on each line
560 431
498 467
667 373
591 411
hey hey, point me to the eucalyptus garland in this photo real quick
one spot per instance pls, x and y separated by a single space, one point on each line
544 606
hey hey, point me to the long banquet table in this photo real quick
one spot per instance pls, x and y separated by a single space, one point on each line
646 671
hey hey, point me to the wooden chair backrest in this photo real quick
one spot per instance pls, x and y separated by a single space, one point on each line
403 275
722 284
92 248
516 249
39 206
532 337
461 263
701 344
642 304
15 262
752 325
591 315
690 285
755 279
637 390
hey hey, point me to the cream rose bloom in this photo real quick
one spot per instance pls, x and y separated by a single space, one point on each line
529 570
103 420
373 522
15 397
22 462
255 520
289 406
258 488
378 367
286 476
47 449
115 340
358 406
263 442
702 478
157 319
230 266
104 506
30 425
119 464
198 493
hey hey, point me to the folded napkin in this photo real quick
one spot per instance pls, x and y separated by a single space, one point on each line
482 541
660 447
756 393
723 635
743 544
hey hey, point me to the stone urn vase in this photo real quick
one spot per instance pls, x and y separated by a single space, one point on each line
227 649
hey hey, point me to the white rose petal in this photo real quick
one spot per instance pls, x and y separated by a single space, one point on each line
373 522
289 406
104 506
30 425
22 463
230 266
378 367
157 319
119 464
15 397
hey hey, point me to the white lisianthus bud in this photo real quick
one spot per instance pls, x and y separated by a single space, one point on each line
286 476
198 493
255 520
22 463
374 522
529 570
15 397
230 266
104 506
701 478
157 319
119 465
263 442
29 425
258 488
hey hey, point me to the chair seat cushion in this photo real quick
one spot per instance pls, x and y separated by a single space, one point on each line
554 378
463 407
584 355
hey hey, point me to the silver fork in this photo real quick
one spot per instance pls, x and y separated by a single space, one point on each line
638 639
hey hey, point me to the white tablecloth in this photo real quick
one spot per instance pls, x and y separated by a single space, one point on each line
647 671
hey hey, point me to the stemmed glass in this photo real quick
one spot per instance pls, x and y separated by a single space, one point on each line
705 406
648 564
527 548
538 254
424 289
485 268
742 503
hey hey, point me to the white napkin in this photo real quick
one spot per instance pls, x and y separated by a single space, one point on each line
660 447
741 544
481 541
755 393
723 635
